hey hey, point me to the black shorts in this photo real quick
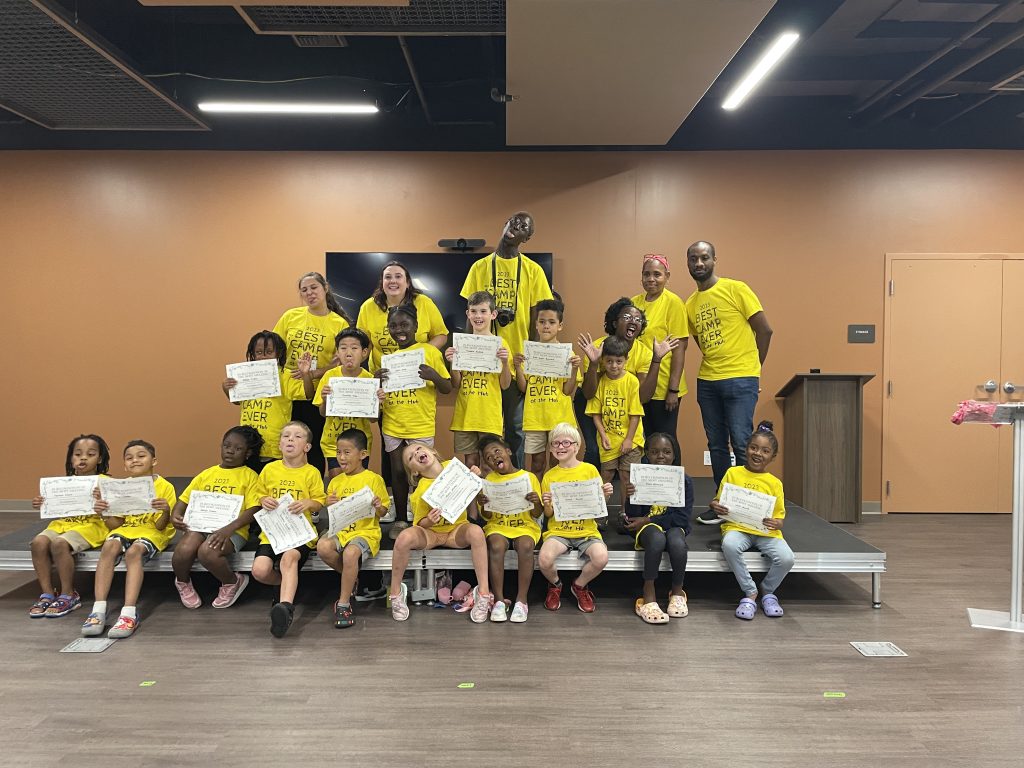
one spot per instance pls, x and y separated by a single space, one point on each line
265 550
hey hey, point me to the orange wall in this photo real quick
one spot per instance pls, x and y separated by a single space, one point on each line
131 278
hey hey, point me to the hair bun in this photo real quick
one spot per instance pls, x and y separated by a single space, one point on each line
765 426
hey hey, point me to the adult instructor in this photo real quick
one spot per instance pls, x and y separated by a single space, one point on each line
517 284
730 327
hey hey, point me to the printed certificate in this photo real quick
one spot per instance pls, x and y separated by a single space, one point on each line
131 496
67 496
508 498
746 506
283 529
353 397
403 370
548 360
579 500
475 352
259 378
208 512
453 490
658 484
358 506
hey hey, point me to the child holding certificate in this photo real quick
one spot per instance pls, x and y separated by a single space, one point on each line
269 414
353 347
578 534
660 528
345 550
58 543
737 538
546 400
240 446
409 415
430 530
136 538
478 393
516 525
294 477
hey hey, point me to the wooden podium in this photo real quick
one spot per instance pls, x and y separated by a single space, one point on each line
823 416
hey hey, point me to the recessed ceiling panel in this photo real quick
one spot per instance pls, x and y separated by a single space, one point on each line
417 17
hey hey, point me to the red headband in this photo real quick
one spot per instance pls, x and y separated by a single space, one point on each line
658 258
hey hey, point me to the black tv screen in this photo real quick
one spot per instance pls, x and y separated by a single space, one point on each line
353 277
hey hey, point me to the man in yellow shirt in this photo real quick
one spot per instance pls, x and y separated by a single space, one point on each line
517 284
729 325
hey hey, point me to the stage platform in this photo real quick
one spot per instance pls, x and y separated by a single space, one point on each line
819 547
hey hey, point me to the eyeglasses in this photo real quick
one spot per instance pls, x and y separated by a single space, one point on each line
563 443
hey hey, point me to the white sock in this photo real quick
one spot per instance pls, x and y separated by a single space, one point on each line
129 611
100 607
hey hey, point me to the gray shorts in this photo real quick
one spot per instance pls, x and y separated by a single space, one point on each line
391 442
358 541
580 545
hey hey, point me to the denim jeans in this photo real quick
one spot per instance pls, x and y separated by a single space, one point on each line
591 450
735 543
727 410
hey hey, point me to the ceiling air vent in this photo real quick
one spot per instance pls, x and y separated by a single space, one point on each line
320 41
419 17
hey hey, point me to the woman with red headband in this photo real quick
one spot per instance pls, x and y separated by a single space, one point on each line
666 319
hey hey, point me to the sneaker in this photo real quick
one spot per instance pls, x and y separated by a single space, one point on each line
390 515
499 612
281 616
519 613
584 597
709 518
38 609
481 609
189 597
94 625
63 605
343 616
399 608
408 512
125 627
229 593
677 608
397 528
553 600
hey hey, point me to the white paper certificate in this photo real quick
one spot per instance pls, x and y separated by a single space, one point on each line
658 484
508 498
358 506
476 353
284 530
403 370
131 496
579 500
746 506
548 360
208 512
353 397
453 490
259 378
66 496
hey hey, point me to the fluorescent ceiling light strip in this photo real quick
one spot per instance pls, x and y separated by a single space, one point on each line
764 65
285 108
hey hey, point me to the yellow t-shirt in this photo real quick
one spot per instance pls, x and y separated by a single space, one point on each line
516 525
335 425
368 528
617 400
269 414
413 412
144 526
533 287
303 482
570 529
420 508
240 481
765 482
478 401
719 320
545 404
665 315
374 321
638 360
89 527
305 332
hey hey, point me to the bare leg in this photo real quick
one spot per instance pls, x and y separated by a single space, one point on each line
289 575
497 545
42 563
597 559
473 536
60 551
549 552
538 463
264 572
351 558
109 553
411 538
524 549
133 574
216 562
184 555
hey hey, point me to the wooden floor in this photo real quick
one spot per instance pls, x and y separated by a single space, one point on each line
564 689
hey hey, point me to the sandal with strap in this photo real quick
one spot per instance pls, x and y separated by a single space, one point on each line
770 606
746 609
38 609
651 613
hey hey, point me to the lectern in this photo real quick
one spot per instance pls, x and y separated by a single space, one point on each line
823 416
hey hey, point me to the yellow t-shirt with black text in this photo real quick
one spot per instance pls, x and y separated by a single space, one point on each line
616 401
239 481
570 529
521 523
421 509
719 320
335 425
303 482
368 528
89 527
478 401
501 283
304 332
409 413
765 482
143 526
665 315
268 415
374 321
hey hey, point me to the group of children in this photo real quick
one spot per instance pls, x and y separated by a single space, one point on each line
265 458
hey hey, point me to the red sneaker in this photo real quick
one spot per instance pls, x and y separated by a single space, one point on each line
553 601
584 598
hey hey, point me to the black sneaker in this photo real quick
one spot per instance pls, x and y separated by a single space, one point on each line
709 518
281 619
343 616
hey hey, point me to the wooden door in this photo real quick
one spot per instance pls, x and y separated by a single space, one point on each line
1011 370
942 343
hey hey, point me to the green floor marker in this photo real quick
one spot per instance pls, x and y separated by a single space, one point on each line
467 685
835 695
147 683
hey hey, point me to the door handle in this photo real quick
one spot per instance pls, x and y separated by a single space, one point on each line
1009 388
990 385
